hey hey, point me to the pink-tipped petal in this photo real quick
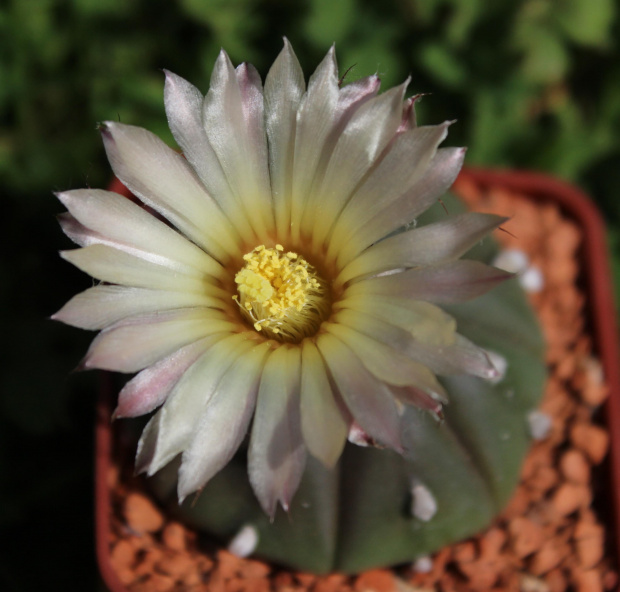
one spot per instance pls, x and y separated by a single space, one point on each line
405 164
324 420
367 398
315 119
387 364
126 226
284 87
431 244
234 124
367 133
164 180
138 342
277 455
183 103
437 179
104 305
459 356
223 423
173 427
456 281
149 388
112 265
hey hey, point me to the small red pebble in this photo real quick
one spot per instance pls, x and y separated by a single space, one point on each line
575 467
589 542
147 565
492 542
123 554
518 504
228 565
305 579
330 583
174 537
464 552
568 498
141 514
251 568
375 580
284 579
126 575
526 536
176 565
192 579
556 580
255 585
544 479
588 581
549 556
591 439
159 583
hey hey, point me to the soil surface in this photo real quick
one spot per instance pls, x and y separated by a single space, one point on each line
551 538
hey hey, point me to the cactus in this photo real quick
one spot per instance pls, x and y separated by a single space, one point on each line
285 293
359 515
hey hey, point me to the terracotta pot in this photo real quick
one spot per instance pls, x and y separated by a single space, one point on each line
596 278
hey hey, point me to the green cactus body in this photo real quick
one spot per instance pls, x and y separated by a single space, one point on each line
358 515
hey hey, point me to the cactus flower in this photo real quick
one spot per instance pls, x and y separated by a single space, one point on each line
273 279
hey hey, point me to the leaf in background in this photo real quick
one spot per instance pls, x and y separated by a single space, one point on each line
586 22
442 64
545 59
328 21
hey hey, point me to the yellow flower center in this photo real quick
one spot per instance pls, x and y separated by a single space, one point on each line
281 294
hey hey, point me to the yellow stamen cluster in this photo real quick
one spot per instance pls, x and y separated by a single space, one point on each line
281 294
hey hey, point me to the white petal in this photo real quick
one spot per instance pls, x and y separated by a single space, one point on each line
128 227
149 388
138 342
350 98
183 103
324 424
284 87
101 306
119 267
85 237
277 455
459 357
234 123
164 180
430 244
456 281
224 422
369 400
77 232
315 119
426 322
387 364
441 173
405 163
172 428
364 138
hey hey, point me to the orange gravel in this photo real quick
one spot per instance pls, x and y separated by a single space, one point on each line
549 539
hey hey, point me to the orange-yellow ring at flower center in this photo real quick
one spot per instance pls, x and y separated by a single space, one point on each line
280 294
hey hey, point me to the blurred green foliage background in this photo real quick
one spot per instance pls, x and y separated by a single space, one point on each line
533 84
